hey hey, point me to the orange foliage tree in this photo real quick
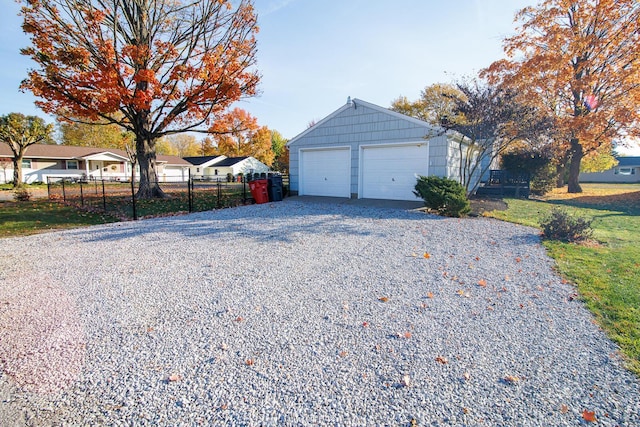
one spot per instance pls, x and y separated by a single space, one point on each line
579 59
154 67
238 134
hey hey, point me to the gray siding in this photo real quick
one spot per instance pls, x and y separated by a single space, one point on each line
361 124
611 176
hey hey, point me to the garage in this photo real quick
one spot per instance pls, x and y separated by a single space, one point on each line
325 172
389 171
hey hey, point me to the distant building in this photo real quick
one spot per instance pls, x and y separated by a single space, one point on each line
627 171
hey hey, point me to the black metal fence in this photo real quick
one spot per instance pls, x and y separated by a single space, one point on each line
118 198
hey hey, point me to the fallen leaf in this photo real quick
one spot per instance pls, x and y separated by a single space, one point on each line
174 377
466 376
343 354
239 319
249 362
511 379
482 283
477 258
564 409
589 416
365 324
383 299
430 295
414 255
405 381
518 259
441 359
406 335
426 255
465 410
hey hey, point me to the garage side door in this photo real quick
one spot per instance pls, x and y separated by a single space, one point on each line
325 172
389 172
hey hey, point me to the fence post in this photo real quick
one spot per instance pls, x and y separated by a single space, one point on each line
133 199
49 187
244 189
190 192
219 185
81 195
104 197
64 194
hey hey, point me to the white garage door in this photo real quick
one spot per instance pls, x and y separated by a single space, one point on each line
389 172
325 172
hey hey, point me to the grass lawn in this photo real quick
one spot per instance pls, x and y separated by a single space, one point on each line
606 273
36 216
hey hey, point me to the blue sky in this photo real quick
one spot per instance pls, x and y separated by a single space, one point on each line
313 54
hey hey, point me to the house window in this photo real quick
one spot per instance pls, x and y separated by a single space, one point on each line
627 171
26 163
72 164
197 170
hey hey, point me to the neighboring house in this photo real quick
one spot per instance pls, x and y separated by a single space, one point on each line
217 167
366 151
627 171
42 161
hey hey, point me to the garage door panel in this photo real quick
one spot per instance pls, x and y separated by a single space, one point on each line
390 172
326 173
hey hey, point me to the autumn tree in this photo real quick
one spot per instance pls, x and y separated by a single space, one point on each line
154 67
436 101
238 134
100 134
492 119
19 132
185 145
208 147
580 60
280 152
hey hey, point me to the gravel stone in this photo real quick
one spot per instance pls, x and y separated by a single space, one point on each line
300 314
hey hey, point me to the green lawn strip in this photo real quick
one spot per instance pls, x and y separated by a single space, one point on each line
607 276
24 218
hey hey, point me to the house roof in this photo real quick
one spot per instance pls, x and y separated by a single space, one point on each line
354 104
55 151
200 160
628 161
230 161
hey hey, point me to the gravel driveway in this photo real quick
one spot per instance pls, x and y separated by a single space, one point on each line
299 314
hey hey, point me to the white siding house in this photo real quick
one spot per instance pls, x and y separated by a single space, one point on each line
43 161
217 167
363 150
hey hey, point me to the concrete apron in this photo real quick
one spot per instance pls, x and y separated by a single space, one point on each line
376 203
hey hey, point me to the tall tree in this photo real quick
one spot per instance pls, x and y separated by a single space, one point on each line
185 145
436 101
154 67
579 59
492 119
100 134
207 147
19 132
239 134
280 151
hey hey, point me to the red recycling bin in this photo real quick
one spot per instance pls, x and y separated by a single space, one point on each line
259 190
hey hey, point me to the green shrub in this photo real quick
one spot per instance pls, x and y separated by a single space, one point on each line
446 196
559 225
21 195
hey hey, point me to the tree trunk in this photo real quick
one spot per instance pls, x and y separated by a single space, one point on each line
146 155
574 167
560 171
17 171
